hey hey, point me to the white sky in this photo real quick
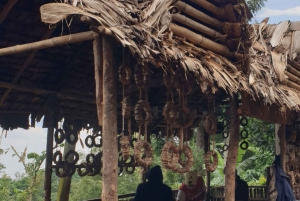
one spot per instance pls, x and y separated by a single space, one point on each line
35 138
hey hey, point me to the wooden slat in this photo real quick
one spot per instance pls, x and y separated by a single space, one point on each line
220 12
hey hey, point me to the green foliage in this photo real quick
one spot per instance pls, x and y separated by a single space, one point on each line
255 5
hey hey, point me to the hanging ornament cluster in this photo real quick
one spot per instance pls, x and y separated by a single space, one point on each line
143 116
244 134
225 133
210 126
178 116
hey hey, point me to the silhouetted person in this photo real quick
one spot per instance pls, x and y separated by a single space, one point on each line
241 189
154 189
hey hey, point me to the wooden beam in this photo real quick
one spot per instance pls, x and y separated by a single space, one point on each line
97 49
25 64
220 12
53 42
9 5
110 148
199 27
45 91
198 15
197 39
232 150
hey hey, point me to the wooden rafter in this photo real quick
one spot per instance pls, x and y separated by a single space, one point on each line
45 91
24 66
9 5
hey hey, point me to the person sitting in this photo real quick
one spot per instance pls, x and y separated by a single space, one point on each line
193 188
154 189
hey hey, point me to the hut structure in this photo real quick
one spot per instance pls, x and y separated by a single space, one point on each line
147 67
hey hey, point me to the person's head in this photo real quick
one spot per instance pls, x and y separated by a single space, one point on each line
191 178
155 174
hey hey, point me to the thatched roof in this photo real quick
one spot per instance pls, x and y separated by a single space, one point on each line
147 29
275 50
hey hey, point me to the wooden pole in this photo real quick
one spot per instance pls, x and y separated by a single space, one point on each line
48 162
294 64
198 15
292 84
206 149
232 150
97 48
64 184
24 66
199 27
200 40
220 12
110 149
9 5
56 41
293 70
45 91
282 143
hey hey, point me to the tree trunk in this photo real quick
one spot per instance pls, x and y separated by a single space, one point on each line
109 108
64 184
200 136
232 150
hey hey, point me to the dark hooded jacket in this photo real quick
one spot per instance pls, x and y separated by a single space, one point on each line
154 189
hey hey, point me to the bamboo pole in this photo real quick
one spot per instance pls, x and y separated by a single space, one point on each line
9 5
97 48
206 149
200 40
56 41
199 27
282 143
292 77
220 12
48 162
232 150
294 64
198 15
110 149
45 91
24 66
292 84
293 70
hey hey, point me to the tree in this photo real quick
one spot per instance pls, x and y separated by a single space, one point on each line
255 5
31 168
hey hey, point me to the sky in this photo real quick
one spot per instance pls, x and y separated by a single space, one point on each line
35 138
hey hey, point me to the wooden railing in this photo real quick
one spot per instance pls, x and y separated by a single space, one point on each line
256 193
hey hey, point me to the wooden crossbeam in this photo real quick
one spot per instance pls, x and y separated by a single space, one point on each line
45 91
9 5
24 66
53 42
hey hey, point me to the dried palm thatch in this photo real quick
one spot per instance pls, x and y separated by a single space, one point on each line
143 26
272 47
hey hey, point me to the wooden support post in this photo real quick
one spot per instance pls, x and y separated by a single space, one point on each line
98 57
48 162
109 128
64 184
232 150
206 149
282 144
